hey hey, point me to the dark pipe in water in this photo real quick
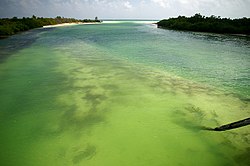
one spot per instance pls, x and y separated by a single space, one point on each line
233 125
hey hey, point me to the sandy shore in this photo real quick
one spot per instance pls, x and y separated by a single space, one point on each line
66 24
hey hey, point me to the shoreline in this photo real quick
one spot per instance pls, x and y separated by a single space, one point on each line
50 26
205 32
212 24
66 24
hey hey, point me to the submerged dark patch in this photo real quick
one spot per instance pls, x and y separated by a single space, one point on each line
85 154
243 158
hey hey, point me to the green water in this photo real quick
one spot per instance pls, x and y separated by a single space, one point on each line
123 94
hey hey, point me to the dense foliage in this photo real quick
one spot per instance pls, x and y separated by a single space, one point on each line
15 25
213 24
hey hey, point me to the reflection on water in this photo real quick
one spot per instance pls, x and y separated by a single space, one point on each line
97 102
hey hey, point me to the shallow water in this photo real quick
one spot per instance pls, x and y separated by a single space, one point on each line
123 94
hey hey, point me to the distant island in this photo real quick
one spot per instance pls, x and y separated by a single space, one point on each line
11 26
213 24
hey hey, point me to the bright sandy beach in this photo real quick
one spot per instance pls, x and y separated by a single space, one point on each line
65 24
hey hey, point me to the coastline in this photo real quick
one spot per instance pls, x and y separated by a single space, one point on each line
12 26
52 26
66 24
205 32
212 24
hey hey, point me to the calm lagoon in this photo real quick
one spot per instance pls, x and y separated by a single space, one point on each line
123 93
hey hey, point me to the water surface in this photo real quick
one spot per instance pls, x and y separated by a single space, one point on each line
123 93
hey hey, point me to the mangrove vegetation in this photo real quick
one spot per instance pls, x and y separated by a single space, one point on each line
214 24
11 26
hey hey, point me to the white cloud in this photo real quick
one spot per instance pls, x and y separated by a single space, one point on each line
127 5
162 3
124 8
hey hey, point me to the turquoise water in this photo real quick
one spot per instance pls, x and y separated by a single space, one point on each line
123 93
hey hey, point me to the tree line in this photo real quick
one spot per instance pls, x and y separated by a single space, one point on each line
213 24
11 26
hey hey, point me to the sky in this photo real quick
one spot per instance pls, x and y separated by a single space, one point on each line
124 9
